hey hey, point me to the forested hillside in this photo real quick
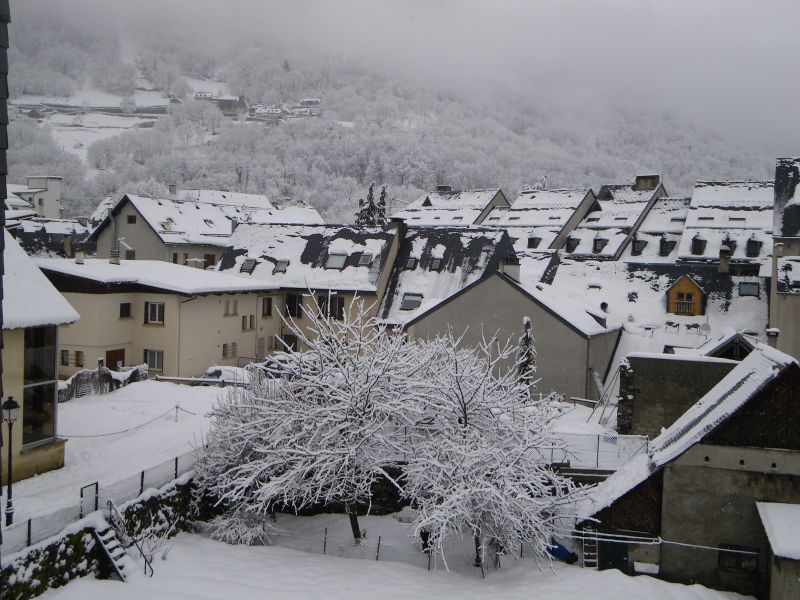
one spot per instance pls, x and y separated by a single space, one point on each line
375 126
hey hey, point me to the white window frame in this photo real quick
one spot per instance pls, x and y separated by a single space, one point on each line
151 313
154 359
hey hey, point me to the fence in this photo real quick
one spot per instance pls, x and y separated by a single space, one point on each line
101 380
604 452
91 497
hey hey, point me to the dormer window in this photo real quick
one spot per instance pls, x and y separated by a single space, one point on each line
572 244
698 245
411 264
533 242
436 264
730 244
411 301
598 245
280 266
364 260
248 266
753 248
665 246
336 261
638 247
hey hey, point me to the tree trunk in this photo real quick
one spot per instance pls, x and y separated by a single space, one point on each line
425 536
478 558
354 525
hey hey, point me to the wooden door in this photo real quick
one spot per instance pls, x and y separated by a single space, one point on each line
115 359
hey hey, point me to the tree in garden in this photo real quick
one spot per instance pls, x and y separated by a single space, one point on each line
480 459
370 213
526 355
329 430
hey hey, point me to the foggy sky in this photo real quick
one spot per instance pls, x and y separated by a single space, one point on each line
727 64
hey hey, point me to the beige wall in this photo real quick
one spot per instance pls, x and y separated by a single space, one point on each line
50 207
784 579
563 355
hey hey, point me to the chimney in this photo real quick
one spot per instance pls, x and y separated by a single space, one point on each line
444 189
80 255
724 258
83 221
113 257
173 189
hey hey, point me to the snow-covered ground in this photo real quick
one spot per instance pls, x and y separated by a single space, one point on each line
200 569
145 414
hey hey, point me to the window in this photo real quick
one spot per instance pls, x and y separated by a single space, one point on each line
753 248
592 219
365 259
705 219
336 261
684 305
154 313
209 260
678 219
436 264
154 359
742 559
332 306
737 219
572 244
175 258
280 266
533 242
244 322
248 322
294 306
411 263
65 358
131 219
666 246
231 307
266 307
185 258
252 322
731 244
638 247
130 254
748 288
513 218
411 301
248 266
455 219
619 219
698 246
125 310
555 218
39 387
598 245
79 358
287 342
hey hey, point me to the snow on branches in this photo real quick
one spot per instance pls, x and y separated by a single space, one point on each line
371 213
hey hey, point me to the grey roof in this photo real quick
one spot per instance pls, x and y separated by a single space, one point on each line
787 206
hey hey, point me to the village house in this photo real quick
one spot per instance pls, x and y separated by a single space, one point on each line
449 207
687 510
192 228
332 263
43 193
53 237
780 521
177 320
33 310
729 224
609 226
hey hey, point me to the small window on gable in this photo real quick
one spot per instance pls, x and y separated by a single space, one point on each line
248 266
598 245
533 242
131 219
280 266
336 261
411 263
364 260
436 264
748 288
411 301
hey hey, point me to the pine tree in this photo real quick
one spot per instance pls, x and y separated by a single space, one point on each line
526 355
369 213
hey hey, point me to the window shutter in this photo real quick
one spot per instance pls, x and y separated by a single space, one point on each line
146 314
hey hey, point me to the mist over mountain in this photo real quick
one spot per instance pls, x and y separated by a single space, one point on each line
385 116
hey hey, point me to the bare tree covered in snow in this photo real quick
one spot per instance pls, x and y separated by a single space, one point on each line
480 456
329 431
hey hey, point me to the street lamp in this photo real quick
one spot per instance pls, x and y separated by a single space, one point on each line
10 412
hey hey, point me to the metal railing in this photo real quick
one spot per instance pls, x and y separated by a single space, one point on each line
117 521
89 498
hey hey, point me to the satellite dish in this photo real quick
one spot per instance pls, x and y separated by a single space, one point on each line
705 329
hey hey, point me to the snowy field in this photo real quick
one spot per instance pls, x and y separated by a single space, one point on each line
144 413
200 569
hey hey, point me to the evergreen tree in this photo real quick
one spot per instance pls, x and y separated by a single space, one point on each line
370 213
526 355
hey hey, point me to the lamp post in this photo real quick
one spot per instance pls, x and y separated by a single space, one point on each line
10 412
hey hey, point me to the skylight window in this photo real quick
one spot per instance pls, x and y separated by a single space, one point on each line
364 260
513 218
592 219
248 266
556 218
620 218
280 266
411 263
705 218
737 219
678 219
436 264
336 261
494 218
458 218
411 301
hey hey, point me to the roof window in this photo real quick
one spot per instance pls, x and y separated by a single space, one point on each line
533 242
592 219
248 266
364 260
698 245
638 247
280 266
572 244
678 219
411 263
458 218
737 219
620 218
436 264
513 218
411 301
705 218
336 261
753 248
553 218
598 245
665 246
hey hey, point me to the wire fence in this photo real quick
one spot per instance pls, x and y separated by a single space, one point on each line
91 497
603 452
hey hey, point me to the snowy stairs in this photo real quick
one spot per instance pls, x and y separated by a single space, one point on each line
589 554
114 551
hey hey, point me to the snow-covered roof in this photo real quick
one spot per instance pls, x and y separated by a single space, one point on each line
224 198
153 274
102 209
295 256
667 215
786 218
730 213
29 299
551 208
54 226
732 392
574 311
456 207
17 189
438 262
782 524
